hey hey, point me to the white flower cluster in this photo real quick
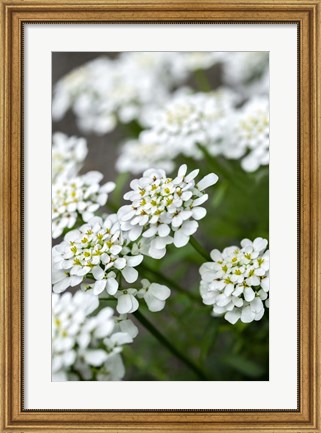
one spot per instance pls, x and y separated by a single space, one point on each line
68 154
182 124
236 282
106 91
164 210
86 347
97 250
191 119
183 63
137 156
70 87
77 197
247 135
137 82
246 71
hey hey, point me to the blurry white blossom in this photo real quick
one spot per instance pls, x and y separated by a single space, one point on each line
83 343
188 120
185 63
68 154
105 91
236 282
246 71
247 135
147 151
96 251
67 90
123 324
77 197
164 210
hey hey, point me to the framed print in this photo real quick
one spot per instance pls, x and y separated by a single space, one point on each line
159 216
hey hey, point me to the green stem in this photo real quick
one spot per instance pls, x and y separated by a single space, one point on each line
160 337
170 283
107 299
200 249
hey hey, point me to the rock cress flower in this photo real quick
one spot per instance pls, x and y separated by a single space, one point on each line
164 210
188 120
67 154
96 251
81 341
147 151
247 135
78 196
154 294
236 282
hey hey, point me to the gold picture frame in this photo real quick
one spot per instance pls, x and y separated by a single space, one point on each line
307 15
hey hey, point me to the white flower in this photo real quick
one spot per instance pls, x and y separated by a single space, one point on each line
127 302
164 210
190 61
67 155
138 155
77 197
154 295
236 282
113 368
96 251
81 341
189 120
245 70
247 135
123 324
66 90
105 91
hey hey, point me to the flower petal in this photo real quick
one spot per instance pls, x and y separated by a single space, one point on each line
130 274
154 304
124 304
95 357
207 181
99 287
200 200
133 261
163 230
249 294
120 263
180 239
134 233
159 291
199 213
233 316
98 273
191 175
189 227
156 253
62 285
247 315
111 286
